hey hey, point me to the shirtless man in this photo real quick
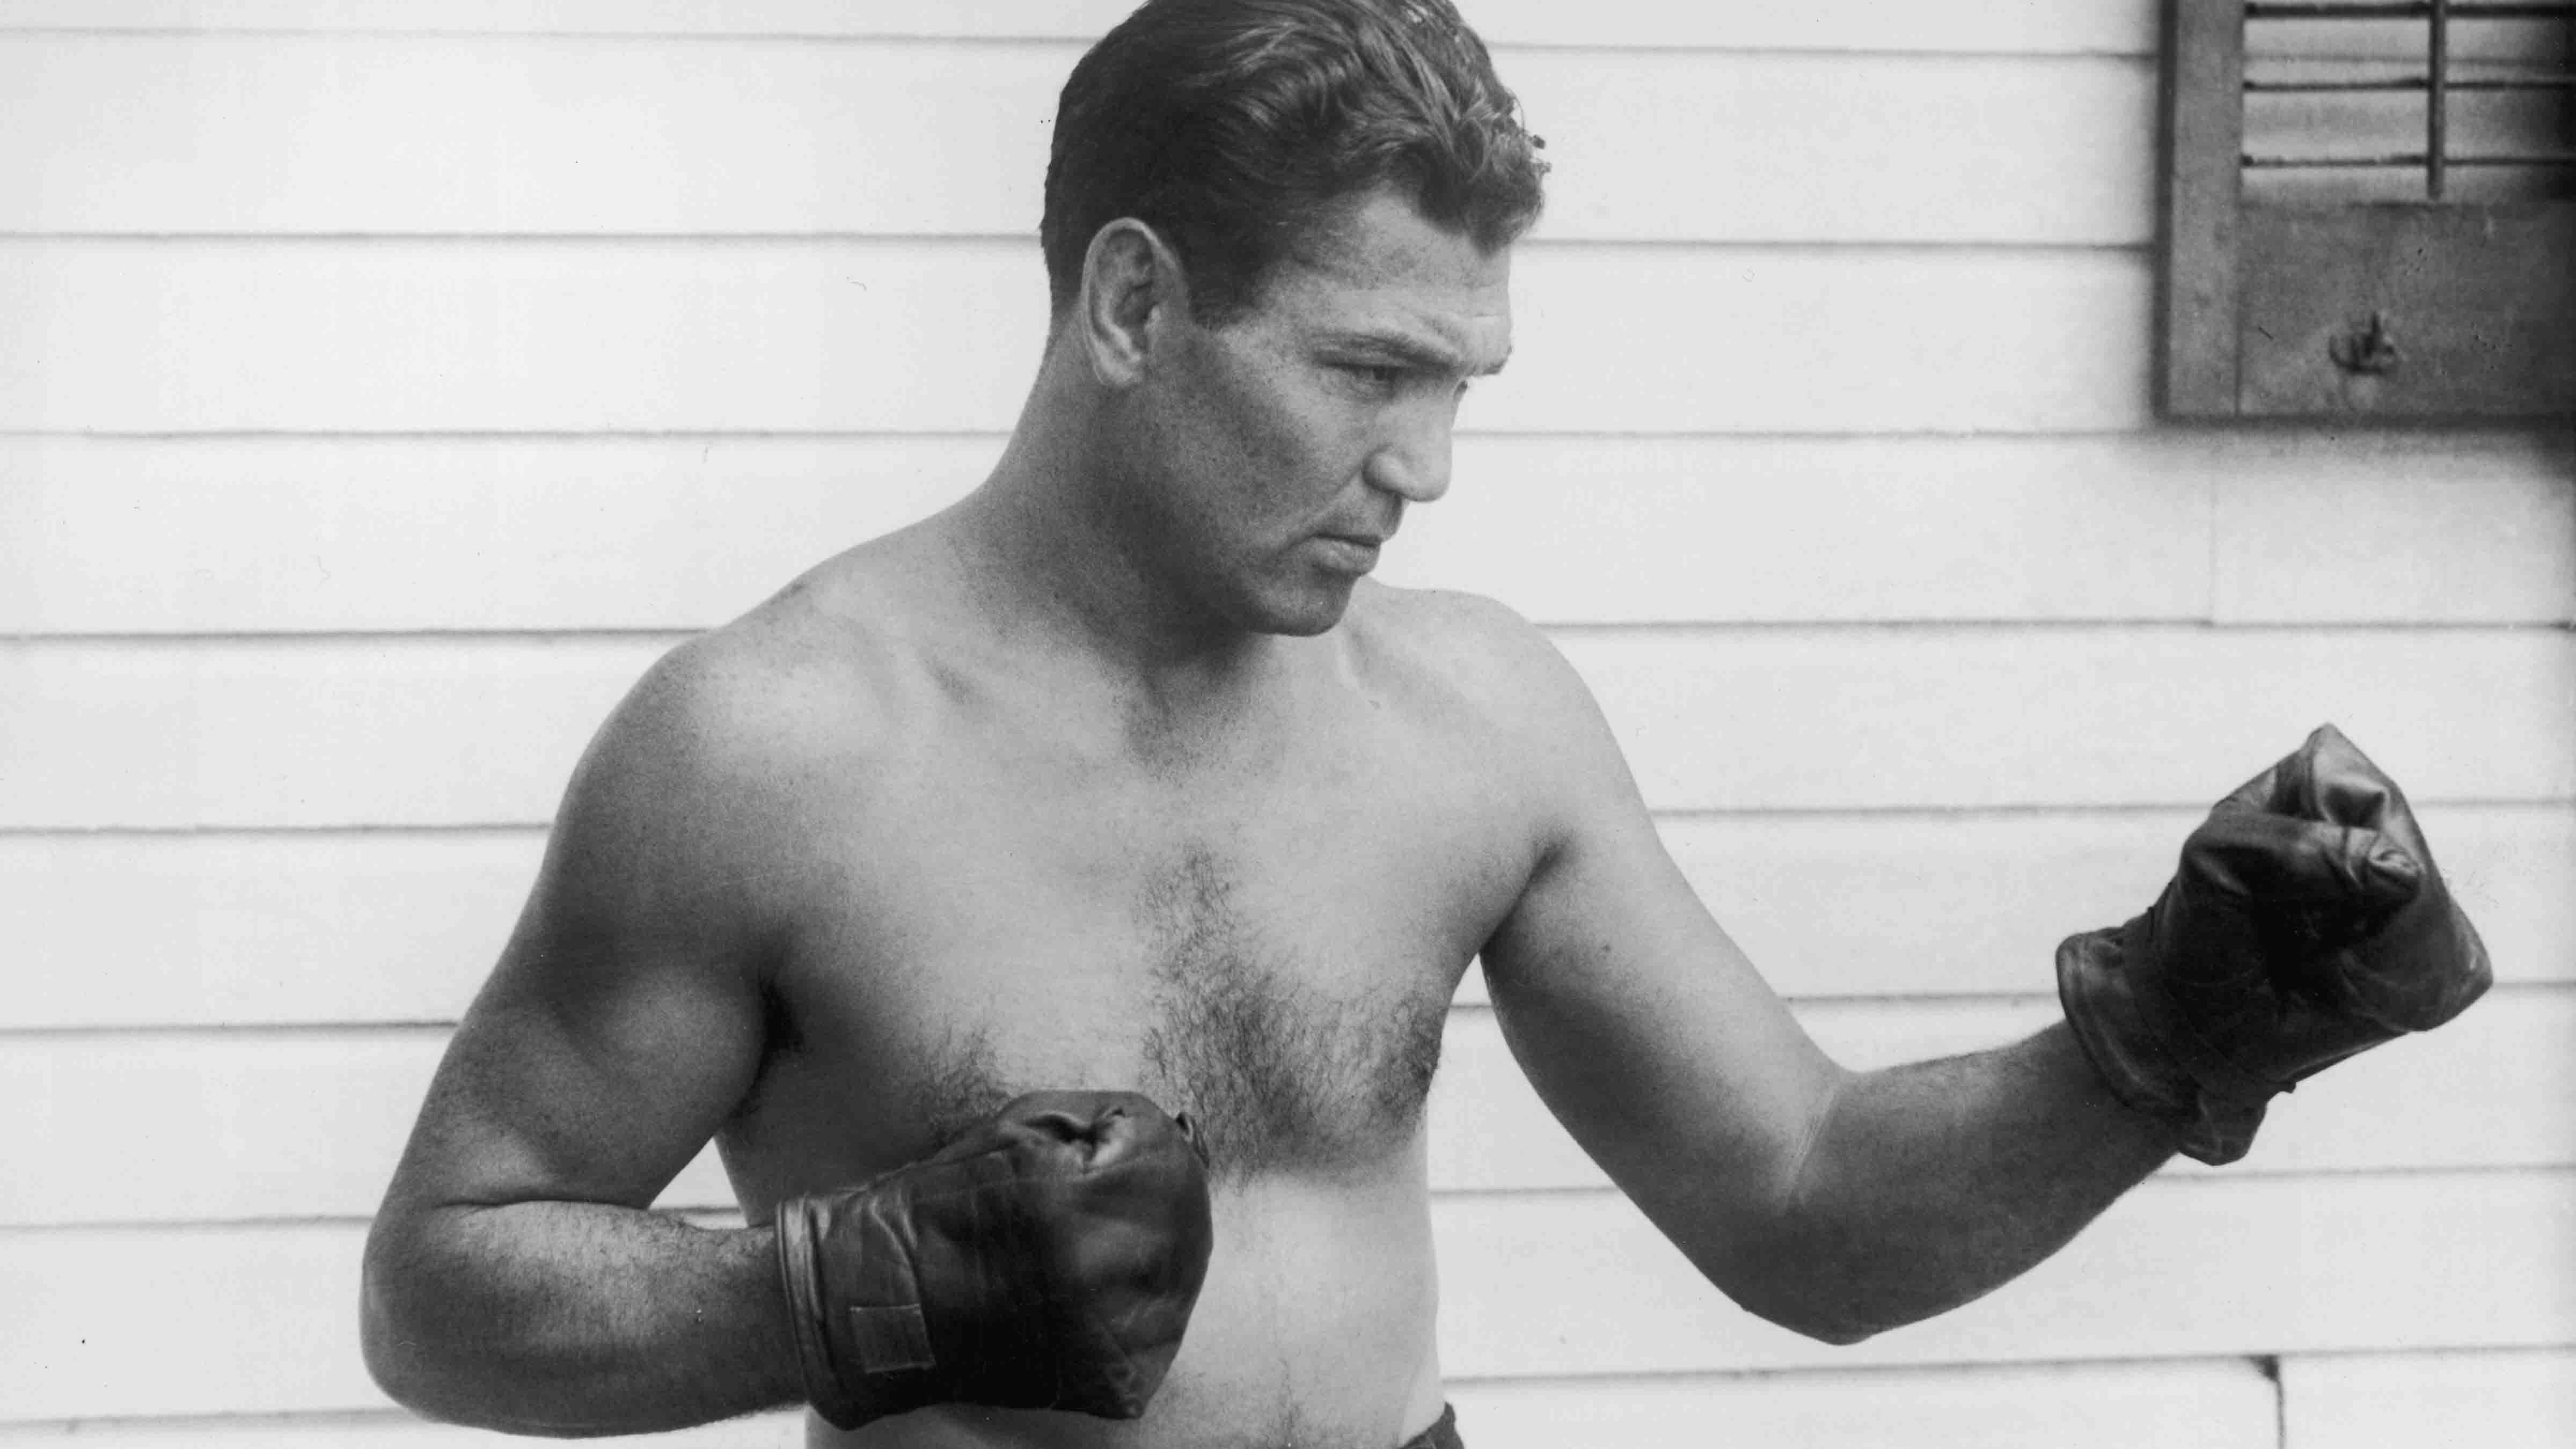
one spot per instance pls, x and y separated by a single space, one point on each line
1120 775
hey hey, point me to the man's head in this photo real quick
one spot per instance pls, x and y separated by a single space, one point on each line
1232 126
1278 233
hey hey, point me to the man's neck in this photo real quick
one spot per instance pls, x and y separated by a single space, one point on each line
1041 558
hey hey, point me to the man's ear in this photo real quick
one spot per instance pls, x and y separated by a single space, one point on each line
1131 287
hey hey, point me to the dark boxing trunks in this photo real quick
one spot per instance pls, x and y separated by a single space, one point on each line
1442 1435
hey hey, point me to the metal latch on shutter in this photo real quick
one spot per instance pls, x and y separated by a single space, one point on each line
2371 207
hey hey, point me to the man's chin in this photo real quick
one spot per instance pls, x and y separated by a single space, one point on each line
1310 611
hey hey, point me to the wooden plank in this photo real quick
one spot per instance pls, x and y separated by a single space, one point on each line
1963 341
1938 718
2221 1405
1841 905
1872 905
162 135
942 336
2190 1405
390 1429
2203 125
262 1319
2495 1089
428 731
2409 529
1763 530
2179 1268
350 535
244 1126
229 930
385 927
232 1128
387 732
168 134
1693 146
2184 1406
2124 27
367 535
420 336
2495 1399
382 535
258 1320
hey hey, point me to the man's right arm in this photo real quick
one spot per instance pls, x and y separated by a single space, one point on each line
516 1277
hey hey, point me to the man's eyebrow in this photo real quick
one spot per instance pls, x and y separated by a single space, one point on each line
1415 352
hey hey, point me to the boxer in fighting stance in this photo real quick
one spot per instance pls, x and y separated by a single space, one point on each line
1051 909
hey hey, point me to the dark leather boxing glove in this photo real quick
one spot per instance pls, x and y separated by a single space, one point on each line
1046 1259
2306 923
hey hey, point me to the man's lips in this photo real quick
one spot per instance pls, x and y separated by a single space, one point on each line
1361 534
1351 545
1351 552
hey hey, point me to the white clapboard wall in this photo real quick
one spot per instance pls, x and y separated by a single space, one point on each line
384 383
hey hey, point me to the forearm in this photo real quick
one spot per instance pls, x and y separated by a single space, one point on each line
572 1319
1928 1185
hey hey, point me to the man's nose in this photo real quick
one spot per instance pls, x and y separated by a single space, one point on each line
1414 464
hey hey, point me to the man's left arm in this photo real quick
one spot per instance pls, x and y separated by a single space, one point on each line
1835 1203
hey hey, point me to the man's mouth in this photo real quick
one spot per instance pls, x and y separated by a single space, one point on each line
1365 535
1354 553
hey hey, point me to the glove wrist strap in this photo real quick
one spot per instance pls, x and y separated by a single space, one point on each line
809 1309
2135 1048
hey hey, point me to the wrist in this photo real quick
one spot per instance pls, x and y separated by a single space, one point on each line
2140 1049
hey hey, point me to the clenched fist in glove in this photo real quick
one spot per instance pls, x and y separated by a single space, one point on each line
2306 923
1046 1259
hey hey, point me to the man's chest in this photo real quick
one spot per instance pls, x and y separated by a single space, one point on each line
1272 950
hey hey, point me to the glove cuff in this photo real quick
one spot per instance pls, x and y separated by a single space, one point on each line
810 1309
2131 1036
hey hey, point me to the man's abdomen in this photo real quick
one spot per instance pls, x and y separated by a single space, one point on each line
1315 1329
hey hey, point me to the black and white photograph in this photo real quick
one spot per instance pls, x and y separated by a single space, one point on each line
1288 724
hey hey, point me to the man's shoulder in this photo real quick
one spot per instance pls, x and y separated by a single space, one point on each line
1441 627
1501 693
1478 648
744 714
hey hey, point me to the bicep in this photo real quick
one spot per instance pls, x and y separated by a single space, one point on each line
1642 1025
586 1070
624 1020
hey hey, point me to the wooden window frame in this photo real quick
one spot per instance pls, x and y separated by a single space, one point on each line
2427 309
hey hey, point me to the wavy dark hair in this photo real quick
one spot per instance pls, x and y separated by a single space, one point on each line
1230 126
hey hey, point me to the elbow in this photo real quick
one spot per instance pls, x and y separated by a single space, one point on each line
1839 1332
1809 1308
435 1347
1802 1272
1795 1272
1835 1291
395 1361
395 1342
1780 1284
410 1364
1805 1274
406 1332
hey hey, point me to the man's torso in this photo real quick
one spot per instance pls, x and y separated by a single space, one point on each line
1010 880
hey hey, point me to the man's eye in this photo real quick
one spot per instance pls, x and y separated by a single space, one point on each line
1376 375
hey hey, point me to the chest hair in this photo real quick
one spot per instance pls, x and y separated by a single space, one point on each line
1285 1069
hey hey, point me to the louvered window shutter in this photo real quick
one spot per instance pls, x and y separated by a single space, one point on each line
2370 209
